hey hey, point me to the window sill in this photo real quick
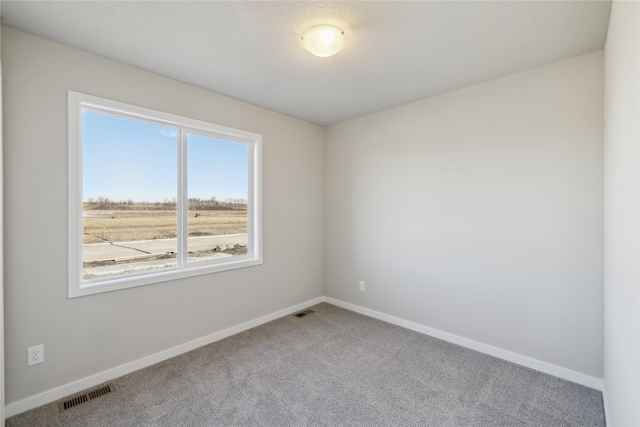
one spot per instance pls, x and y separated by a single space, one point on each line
96 286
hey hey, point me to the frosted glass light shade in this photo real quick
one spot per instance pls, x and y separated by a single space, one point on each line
323 40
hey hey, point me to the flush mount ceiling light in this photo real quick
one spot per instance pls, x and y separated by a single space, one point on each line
323 40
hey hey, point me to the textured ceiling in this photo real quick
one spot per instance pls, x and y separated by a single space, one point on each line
396 52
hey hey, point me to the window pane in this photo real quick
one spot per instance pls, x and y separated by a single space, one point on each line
218 181
129 190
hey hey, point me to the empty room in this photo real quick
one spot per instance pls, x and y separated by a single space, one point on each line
305 213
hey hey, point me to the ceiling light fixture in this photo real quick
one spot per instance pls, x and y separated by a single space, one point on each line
323 40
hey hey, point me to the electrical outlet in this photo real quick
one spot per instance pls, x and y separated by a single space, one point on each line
35 355
362 285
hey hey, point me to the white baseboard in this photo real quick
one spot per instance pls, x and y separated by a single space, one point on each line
605 403
538 365
88 382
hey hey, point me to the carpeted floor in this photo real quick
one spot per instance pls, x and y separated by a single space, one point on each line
332 368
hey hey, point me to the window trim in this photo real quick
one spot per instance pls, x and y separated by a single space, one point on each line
77 103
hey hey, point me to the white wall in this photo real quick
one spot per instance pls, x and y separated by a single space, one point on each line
87 335
622 216
479 213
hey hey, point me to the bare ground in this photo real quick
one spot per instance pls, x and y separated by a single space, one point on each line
141 224
234 250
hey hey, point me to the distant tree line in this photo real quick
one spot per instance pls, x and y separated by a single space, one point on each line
212 204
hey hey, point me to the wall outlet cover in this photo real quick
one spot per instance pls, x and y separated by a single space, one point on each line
35 355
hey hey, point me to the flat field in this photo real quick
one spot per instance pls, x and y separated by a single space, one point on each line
142 224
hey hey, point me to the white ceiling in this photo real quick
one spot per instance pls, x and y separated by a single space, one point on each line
396 52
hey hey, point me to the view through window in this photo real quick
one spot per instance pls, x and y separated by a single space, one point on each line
162 196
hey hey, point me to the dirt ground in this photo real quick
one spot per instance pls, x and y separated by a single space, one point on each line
139 224
237 250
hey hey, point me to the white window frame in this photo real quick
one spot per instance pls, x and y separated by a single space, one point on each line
78 286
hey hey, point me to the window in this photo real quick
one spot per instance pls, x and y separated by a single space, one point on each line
155 196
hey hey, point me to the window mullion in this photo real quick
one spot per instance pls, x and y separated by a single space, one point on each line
183 199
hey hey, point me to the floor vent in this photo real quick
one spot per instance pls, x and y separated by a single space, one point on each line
304 313
100 392
83 398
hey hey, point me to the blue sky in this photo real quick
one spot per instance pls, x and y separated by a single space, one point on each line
126 159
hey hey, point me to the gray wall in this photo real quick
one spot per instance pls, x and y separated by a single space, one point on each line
88 335
479 212
2 410
622 216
